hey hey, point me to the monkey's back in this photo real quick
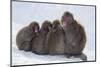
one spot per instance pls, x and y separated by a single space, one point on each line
38 43
23 35
75 39
56 42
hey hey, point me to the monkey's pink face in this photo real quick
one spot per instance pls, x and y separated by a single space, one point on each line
66 20
35 29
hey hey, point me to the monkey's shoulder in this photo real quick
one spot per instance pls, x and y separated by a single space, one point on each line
25 33
74 27
23 30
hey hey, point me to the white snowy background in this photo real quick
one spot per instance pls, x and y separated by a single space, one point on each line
23 13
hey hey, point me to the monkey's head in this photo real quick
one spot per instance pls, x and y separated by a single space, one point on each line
67 18
56 24
34 26
46 26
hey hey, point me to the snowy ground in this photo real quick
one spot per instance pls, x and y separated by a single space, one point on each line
24 58
24 13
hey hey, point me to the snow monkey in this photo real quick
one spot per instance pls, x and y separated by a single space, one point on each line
56 39
39 44
75 37
25 35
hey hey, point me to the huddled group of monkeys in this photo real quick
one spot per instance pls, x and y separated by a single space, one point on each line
67 38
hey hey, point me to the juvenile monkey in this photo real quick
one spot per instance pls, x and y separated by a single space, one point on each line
25 35
75 37
39 44
56 39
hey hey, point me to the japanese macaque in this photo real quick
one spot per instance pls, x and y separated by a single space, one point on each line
25 35
39 44
75 37
56 39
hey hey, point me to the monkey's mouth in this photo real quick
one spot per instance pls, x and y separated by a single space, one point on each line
34 29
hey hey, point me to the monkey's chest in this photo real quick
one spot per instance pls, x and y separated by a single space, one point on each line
71 33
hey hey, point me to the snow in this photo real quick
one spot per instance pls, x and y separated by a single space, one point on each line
24 58
23 13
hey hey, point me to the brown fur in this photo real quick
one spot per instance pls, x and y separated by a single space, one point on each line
56 39
75 37
25 35
39 45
